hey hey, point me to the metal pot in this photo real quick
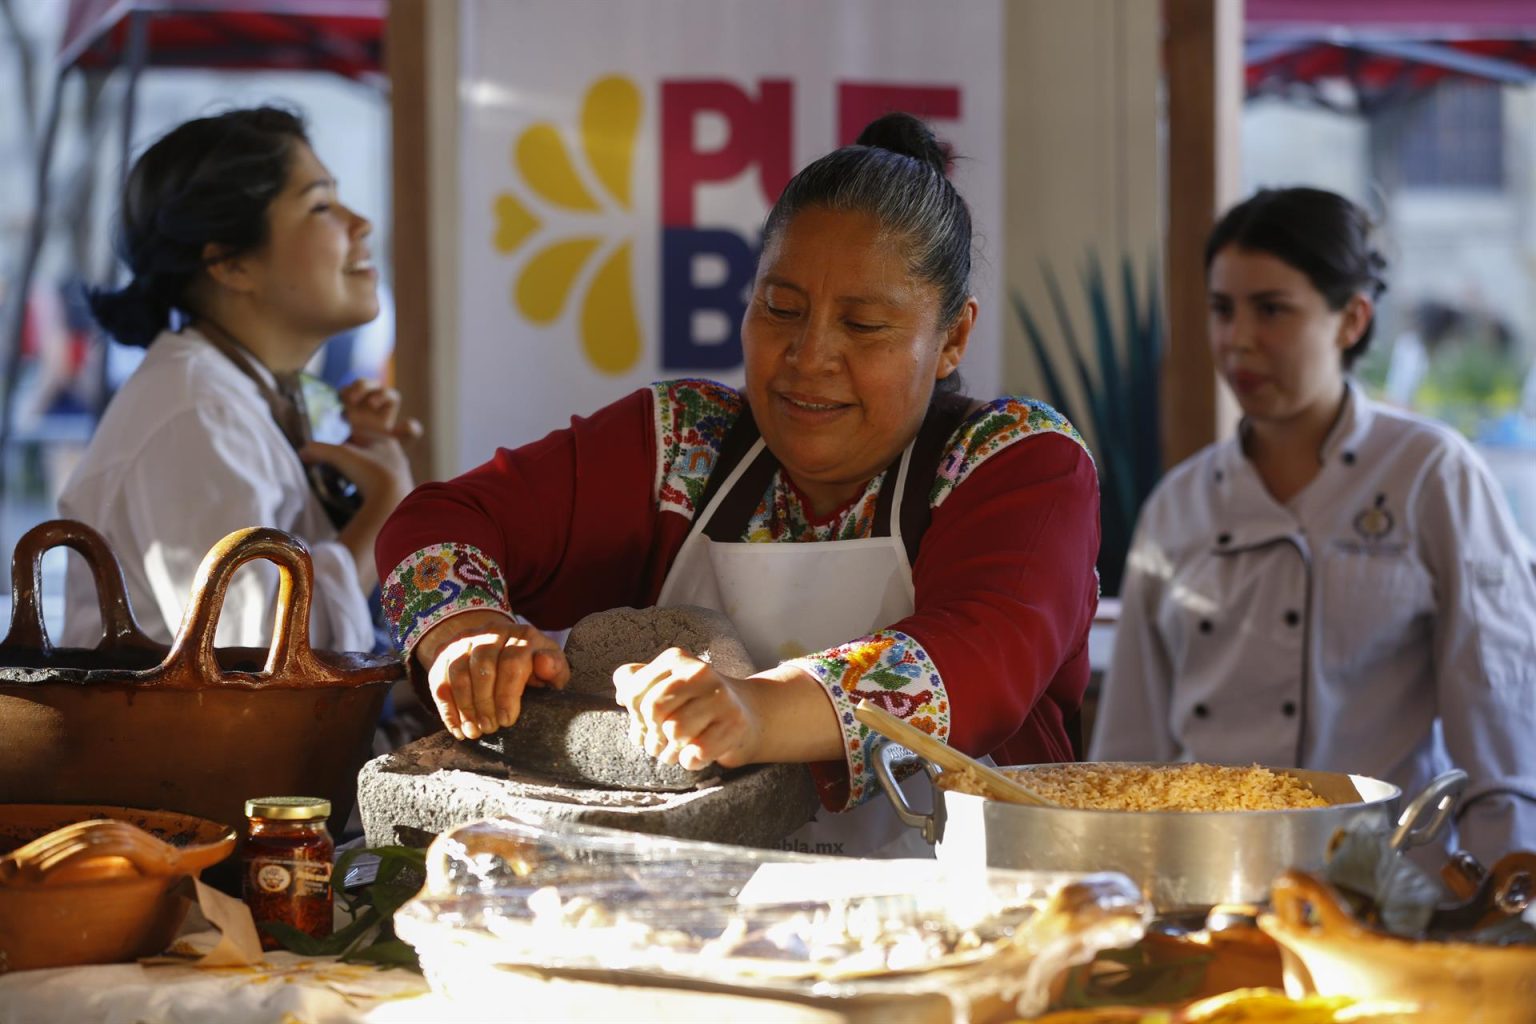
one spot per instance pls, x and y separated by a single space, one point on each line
186 728
1181 860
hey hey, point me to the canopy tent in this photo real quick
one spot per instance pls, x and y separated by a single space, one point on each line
1385 51
341 36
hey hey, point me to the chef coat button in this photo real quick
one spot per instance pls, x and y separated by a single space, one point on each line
1201 711
1288 709
1220 476
1349 458
1292 618
1225 538
1206 625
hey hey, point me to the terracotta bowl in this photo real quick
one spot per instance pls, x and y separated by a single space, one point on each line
1325 951
94 884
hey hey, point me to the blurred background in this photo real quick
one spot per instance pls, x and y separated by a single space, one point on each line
1122 127
86 86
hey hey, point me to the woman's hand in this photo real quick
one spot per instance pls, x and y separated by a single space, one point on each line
373 411
478 664
683 712
378 466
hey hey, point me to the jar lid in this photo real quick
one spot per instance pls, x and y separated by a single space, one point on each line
288 808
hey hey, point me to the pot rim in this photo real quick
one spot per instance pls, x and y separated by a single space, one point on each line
358 669
1394 793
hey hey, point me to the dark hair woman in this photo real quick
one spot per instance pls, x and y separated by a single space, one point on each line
865 537
1321 234
244 261
1341 586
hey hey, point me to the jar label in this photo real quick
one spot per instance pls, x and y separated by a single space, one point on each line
299 877
272 878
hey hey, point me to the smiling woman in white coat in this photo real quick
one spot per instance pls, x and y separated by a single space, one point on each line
1340 586
244 260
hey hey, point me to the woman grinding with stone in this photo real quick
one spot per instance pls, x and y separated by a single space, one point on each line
1341 585
870 532
244 262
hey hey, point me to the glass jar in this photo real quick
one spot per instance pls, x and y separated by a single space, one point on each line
286 867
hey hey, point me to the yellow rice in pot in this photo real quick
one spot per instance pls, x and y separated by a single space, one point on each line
1168 787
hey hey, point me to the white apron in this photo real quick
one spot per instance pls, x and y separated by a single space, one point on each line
792 599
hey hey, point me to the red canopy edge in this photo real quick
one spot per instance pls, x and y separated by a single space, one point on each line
344 36
1442 19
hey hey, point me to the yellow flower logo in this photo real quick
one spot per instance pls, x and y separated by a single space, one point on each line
610 122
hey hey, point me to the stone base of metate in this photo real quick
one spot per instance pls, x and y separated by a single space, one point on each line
411 795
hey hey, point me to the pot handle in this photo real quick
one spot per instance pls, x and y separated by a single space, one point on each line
192 662
1306 903
118 626
886 773
1435 803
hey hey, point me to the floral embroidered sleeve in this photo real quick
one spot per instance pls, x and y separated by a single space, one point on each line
889 669
437 582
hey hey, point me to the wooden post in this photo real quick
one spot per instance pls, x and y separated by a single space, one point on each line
405 57
423 73
1203 64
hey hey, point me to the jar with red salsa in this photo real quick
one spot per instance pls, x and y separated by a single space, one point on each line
287 864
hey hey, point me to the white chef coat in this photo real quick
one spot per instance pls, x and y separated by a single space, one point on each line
186 453
1382 622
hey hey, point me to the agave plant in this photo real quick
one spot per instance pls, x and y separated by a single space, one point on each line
1118 372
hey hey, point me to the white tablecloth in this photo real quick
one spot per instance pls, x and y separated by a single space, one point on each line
283 988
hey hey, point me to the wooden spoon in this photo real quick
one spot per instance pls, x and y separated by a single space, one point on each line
104 849
975 777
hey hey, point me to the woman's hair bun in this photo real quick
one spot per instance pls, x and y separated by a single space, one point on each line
902 133
134 315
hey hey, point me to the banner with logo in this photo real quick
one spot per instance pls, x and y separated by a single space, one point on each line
617 161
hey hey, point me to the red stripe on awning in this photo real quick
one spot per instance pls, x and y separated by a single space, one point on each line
1499 16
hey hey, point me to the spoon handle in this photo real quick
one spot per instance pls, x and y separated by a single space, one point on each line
990 782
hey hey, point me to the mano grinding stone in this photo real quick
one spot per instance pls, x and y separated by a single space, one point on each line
580 734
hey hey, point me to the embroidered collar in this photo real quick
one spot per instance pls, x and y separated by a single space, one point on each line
796 501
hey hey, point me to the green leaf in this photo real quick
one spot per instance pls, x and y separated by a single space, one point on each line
388 953
1105 346
370 936
1054 392
358 927
1119 408
389 898
1118 977
295 941
1098 416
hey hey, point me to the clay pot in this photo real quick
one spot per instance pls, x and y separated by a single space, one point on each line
86 884
187 728
1325 951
